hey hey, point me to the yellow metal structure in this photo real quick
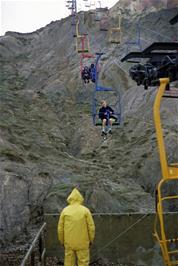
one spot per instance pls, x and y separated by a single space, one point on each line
115 33
82 41
168 244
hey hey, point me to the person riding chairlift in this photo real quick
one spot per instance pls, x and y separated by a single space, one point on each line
86 74
106 114
92 73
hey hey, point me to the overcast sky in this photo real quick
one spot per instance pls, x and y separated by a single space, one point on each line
29 15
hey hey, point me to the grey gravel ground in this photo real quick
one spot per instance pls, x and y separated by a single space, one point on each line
12 259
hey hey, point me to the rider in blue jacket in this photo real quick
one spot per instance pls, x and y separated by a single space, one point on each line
106 114
93 73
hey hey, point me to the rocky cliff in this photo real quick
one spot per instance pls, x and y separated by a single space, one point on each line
48 144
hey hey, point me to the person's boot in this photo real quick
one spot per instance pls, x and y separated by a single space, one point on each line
103 133
109 131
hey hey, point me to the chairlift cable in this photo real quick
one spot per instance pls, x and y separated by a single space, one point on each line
122 233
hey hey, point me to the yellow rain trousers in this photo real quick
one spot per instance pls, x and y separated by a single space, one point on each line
76 230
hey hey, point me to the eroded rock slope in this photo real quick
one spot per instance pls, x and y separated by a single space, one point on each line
48 144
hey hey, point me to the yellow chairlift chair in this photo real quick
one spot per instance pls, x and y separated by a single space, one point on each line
82 41
115 33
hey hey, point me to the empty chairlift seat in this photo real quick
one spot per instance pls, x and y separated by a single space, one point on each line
104 24
82 44
115 30
82 41
100 12
134 44
104 21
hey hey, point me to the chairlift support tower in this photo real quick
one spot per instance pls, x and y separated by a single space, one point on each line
72 6
167 241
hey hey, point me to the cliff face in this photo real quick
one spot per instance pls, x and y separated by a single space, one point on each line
48 144
139 6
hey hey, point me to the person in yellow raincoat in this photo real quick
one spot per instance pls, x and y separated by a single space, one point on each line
76 230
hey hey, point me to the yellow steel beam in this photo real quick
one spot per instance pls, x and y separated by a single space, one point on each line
159 132
167 171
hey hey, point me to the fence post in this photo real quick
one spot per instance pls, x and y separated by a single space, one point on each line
33 258
40 247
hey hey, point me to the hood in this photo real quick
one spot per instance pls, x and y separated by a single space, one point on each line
75 197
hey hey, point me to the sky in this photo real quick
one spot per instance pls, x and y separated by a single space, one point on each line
30 15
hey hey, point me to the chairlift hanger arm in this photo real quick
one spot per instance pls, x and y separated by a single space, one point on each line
99 53
163 46
149 51
156 55
174 20
102 9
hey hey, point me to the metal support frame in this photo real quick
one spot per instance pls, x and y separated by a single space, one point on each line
169 171
72 5
169 174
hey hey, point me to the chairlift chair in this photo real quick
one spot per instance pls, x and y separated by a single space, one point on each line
82 41
100 12
115 33
135 44
85 60
104 21
100 92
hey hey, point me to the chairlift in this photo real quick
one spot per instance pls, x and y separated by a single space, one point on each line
87 4
86 59
100 13
115 32
134 44
104 21
72 5
111 95
92 7
82 44
82 41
